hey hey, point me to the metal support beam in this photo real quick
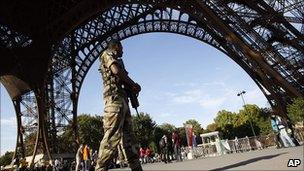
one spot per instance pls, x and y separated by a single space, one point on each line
51 112
20 149
42 121
74 95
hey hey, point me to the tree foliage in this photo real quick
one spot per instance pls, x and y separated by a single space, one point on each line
90 129
212 127
296 110
6 159
144 129
197 129
167 128
182 134
225 118
239 124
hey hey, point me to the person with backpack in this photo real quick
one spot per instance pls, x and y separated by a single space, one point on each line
277 122
163 144
275 129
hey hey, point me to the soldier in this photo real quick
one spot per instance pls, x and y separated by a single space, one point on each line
117 117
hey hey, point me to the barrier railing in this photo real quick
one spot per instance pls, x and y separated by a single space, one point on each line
239 145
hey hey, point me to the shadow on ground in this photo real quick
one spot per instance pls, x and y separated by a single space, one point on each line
248 162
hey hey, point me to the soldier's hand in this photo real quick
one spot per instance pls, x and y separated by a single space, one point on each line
136 88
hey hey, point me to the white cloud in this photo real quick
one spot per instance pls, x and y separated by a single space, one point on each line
185 84
211 103
215 83
256 96
204 96
190 96
164 115
201 100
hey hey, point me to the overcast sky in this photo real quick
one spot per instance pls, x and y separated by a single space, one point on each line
181 78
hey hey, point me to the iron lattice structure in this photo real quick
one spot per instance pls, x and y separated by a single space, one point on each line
264 37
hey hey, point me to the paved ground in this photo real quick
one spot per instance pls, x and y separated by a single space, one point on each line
267 159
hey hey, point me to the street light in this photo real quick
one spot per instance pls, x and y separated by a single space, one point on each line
241 94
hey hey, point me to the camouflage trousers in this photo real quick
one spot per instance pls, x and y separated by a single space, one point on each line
118 132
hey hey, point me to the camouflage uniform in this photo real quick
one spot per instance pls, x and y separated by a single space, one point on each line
117 117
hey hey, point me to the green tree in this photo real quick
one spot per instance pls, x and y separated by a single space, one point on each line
197 129
144 129
250 112
264 122
225 118
90 130
258 117
236 124
182 134
248 116
212 127
6 159
159 132
164 129
296 110
167 128
226 121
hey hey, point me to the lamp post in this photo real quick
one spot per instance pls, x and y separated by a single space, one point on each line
241 94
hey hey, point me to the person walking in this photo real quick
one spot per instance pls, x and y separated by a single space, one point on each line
176 146
287 142
94 158
79 157
57 164
163 143
276 131
142 155
148 155
117 117
86 157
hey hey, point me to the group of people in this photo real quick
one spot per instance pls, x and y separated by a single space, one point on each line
146 155
85 158
170 148
60 165
284 132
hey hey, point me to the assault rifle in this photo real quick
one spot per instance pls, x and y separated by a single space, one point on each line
133 98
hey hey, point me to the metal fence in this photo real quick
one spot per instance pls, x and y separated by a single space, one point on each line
239 145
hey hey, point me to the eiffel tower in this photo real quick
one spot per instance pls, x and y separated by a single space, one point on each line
48 47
